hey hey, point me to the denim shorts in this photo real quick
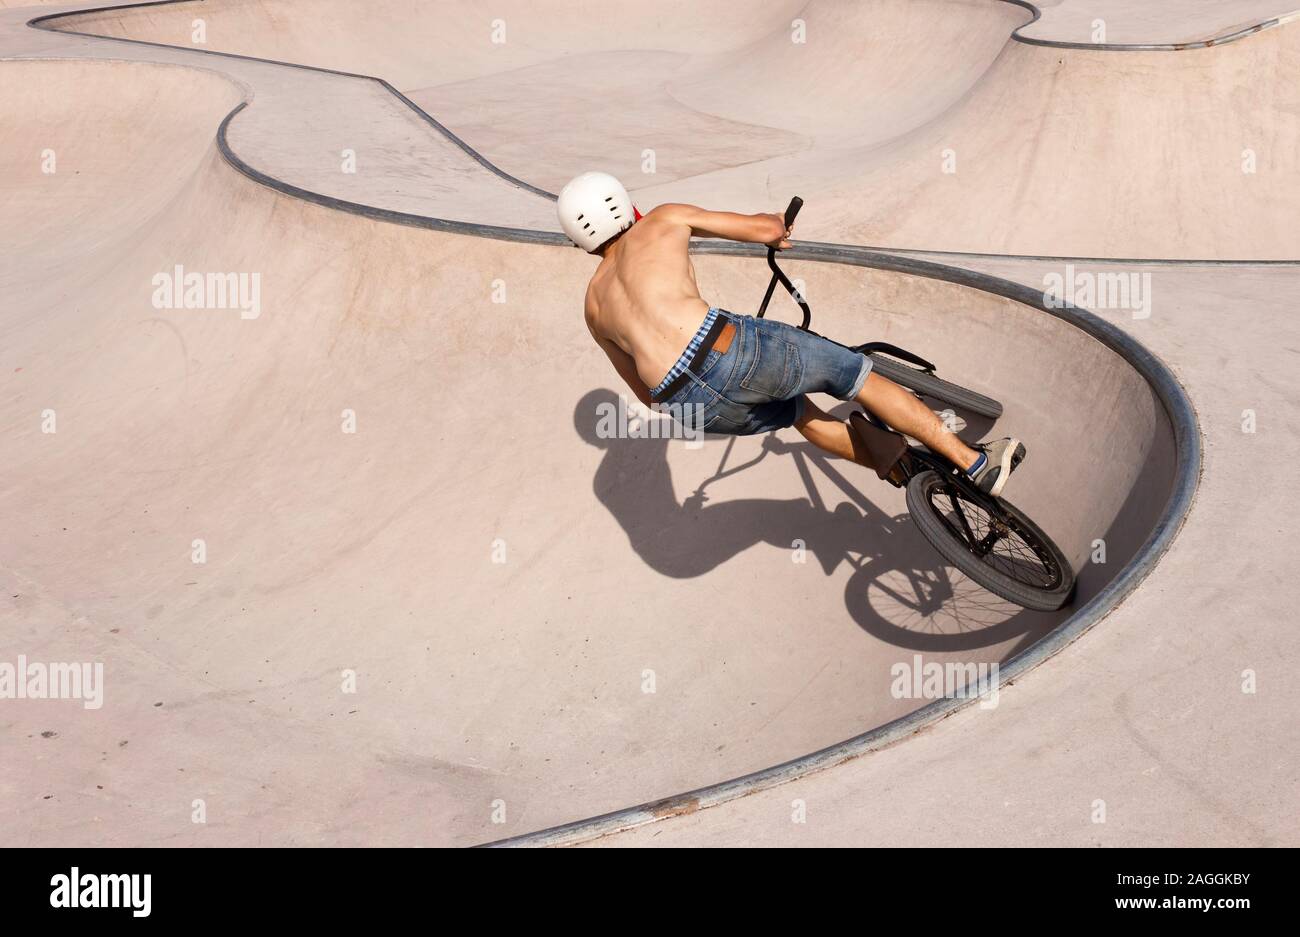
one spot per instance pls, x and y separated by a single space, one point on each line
758 384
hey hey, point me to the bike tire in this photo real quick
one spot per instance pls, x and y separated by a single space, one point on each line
923 382
955 551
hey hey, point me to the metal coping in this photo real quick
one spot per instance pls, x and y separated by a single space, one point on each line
41 22
1208 42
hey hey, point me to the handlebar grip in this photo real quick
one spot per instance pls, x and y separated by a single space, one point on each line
792 211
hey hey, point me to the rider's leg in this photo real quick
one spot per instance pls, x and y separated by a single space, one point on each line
824 431
901 409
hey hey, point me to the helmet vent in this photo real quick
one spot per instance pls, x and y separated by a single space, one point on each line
579 209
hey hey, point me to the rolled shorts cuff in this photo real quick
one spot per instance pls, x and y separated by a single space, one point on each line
860 379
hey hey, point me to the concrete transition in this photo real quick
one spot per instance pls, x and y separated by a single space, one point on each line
918 124
333 499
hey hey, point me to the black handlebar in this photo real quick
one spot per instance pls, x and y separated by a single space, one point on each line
778 276
792 210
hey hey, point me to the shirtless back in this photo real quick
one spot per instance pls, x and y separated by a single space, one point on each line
643 304
643 308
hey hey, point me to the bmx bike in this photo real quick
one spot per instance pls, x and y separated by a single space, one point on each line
989 539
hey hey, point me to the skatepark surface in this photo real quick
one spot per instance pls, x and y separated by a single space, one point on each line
361 564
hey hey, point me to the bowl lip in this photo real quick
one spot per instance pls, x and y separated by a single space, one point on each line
1187 438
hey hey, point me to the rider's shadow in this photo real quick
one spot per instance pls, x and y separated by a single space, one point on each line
900 589
684 540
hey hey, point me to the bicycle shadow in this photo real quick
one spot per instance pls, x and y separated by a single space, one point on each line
899 589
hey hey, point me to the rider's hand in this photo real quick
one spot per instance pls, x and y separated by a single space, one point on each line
784 242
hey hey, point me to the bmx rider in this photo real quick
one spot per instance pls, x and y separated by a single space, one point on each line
746 375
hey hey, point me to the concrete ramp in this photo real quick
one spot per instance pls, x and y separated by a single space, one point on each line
360 564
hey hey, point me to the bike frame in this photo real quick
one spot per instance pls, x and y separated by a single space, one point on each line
779 276
914 460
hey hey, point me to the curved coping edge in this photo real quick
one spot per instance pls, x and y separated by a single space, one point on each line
410 219
1209 42
1075 259
43 22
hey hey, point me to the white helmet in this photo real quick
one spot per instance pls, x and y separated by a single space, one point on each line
593 208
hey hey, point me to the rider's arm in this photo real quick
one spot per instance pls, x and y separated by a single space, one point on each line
753 229
624 365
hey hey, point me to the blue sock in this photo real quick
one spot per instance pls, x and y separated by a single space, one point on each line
977 464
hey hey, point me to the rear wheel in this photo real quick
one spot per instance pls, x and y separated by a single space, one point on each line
926 383
992 542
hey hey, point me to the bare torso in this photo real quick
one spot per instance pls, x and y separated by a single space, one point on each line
643 306
643 297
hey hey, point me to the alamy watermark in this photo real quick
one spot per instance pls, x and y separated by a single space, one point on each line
630 419
950 680
1084 289
86 890
37 680
180 289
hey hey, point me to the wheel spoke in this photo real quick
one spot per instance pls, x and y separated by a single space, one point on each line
996 538
961 515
